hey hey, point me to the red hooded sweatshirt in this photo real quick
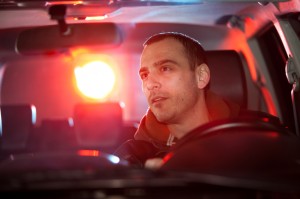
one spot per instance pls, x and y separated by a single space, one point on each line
153 138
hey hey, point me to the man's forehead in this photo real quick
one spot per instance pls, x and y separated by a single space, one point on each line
158 50
167 40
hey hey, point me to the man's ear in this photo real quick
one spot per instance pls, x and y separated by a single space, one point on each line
202 75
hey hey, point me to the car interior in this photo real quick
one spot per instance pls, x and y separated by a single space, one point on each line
93 120
252 53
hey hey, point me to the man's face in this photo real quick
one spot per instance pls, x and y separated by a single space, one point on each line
169 84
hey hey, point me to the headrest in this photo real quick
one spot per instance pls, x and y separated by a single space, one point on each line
227 76
16 123
98 124
54 135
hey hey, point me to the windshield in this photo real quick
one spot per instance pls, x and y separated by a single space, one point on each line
49 83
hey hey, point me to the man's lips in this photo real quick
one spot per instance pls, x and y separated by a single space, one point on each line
157 99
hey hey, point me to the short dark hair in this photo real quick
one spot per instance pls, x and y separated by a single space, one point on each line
193 48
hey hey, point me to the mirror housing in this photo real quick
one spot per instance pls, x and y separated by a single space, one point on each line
49 38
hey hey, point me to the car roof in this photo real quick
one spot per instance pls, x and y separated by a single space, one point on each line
210 12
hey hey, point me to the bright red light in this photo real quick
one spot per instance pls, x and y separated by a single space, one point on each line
95 79
168 157
88 153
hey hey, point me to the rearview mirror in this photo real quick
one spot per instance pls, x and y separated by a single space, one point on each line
49 38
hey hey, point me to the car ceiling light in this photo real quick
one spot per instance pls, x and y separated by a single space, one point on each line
90 18
96 18
51 3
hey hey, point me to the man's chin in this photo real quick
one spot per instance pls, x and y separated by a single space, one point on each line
163 118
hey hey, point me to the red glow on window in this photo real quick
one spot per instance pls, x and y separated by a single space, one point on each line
266 119
273 135
75 52
269 101
248 19
88 153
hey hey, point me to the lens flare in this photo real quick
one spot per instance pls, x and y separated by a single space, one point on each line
95 80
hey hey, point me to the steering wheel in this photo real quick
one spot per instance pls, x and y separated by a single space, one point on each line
251 145
247 120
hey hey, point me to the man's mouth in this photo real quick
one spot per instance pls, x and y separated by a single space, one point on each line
155 100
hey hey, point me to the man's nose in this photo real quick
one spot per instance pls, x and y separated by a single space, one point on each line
152 83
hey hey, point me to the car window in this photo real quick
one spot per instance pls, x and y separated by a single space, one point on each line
276 57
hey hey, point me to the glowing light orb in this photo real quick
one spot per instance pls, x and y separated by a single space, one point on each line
95 79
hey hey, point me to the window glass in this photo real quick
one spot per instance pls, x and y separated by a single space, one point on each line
275 57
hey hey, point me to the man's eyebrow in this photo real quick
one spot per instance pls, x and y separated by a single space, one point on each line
158 63
164 61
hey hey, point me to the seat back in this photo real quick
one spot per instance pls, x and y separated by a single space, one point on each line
227 76
53 135
98 125
17 121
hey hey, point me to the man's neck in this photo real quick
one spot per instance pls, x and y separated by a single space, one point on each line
198 118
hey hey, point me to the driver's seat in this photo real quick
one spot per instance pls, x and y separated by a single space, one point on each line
228 76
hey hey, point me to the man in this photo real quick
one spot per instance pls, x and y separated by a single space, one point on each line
174 75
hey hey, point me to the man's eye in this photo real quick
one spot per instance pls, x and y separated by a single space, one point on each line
165 68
